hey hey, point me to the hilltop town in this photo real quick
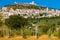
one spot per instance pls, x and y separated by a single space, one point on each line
28 10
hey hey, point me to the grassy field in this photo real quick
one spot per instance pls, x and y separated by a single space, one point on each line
42 37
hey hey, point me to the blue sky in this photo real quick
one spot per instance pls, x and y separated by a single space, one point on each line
47 3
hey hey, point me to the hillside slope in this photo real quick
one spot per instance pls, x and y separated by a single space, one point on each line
24 6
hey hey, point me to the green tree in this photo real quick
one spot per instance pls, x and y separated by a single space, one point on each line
57 33
15 22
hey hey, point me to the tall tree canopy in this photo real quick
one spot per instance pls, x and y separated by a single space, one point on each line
16 21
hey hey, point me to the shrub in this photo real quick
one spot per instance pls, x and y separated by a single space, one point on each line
57 33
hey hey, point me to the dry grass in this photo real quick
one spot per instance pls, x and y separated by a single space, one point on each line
42 37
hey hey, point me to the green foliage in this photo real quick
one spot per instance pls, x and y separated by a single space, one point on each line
1 22
16 22
1 15
28 32
1 33
12 32
45 25
57 33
